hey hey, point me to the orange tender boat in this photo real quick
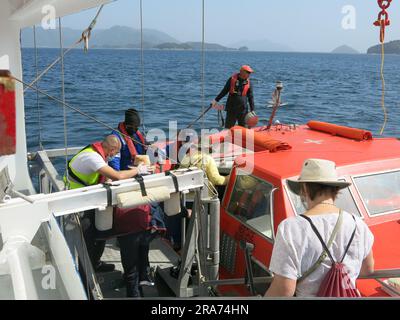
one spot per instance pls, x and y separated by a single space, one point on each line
253 205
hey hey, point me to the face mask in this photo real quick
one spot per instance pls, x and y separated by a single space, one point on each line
130 131
303 201
111 158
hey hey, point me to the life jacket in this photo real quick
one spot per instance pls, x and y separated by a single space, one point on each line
80 180
128 141
233 89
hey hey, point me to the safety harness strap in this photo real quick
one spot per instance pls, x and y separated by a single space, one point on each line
174 179
107 186
139 179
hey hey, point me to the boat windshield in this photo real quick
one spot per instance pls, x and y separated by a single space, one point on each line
380 192
250 203
344 201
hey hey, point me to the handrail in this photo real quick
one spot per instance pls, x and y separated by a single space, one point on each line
378 274
51 172
55 153
388 273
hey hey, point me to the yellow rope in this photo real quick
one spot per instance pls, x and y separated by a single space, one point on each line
385 114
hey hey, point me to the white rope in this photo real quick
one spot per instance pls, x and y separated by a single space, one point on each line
37 93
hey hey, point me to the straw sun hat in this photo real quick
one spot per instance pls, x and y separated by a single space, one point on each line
317 171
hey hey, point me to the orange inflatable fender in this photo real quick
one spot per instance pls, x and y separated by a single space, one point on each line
342 131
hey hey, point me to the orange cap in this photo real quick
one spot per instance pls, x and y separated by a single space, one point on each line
247 68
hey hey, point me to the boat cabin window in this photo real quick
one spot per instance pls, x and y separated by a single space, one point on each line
344 201
250 203
380 192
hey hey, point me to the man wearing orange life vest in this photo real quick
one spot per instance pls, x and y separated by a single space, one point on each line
240 91
132 144
89 167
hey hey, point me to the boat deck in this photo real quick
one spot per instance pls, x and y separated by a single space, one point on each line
161 255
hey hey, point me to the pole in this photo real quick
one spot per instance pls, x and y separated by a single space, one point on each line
277 95
202 114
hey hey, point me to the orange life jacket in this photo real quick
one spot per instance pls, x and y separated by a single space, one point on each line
234 79
129 142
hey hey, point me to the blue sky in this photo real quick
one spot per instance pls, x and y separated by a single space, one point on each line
304 25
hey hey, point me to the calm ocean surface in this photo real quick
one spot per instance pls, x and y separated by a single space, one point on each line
343 89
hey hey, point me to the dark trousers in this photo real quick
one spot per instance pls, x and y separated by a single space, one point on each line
232 116
94 247
134 249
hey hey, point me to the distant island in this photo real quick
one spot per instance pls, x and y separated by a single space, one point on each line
121 37
192 46
345 50
392 47
117 37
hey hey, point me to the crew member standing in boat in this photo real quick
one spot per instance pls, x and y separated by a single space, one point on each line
136 227
89 167
240 92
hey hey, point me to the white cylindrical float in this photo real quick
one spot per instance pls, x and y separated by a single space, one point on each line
173 206
104 219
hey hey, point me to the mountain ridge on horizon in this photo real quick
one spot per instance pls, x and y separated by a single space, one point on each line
128 37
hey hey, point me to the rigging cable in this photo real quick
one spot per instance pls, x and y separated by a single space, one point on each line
202 77
85 37
37 93
142 64
65 104
63 100
200 213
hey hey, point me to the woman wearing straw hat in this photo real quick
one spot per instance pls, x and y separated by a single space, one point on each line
297 261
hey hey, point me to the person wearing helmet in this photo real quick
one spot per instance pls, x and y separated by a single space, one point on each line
240 93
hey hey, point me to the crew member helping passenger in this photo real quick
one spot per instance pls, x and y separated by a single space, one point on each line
89 167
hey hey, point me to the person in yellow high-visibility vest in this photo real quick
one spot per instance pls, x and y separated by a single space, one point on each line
90 167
